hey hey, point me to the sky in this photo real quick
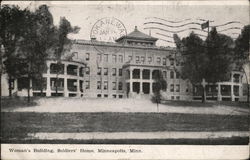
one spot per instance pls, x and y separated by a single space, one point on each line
131 14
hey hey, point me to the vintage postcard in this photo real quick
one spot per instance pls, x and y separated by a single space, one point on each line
125 79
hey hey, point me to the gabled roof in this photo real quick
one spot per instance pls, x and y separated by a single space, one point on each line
136 34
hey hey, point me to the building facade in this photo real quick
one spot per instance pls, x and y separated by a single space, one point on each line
124 69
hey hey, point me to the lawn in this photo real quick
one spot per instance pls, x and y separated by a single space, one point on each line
74 115
55 105
16 125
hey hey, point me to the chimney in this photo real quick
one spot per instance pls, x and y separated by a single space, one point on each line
136 28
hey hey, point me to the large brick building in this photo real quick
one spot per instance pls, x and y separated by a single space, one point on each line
124 69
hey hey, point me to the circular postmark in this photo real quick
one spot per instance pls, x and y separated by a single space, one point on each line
107 29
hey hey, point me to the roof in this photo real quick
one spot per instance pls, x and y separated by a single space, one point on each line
112 44
136 34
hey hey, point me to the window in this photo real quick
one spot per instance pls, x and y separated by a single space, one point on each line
172 97
164 62
105 57
114 85
159 60
137 59
87 86
187 88
105 96
120 72
177 88
87 70
98 84
142 59
164 74
120 86
149 59
99 71
87 56
105 70
171 75
114 96
129 58
99 57
177 97
120 58
120 96
114 58
177 75
99 95
177 64
105 87
113 71
172 88
171 62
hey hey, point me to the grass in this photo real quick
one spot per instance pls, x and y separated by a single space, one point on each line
207 104
16 102
16 125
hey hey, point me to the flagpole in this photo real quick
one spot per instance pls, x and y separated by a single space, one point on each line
208 30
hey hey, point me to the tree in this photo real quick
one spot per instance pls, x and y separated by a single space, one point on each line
195 60
241 53
210 59
12 29
45 31
37 42
63 44
219 51
159 85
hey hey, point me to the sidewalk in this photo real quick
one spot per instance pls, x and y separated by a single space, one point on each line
137 135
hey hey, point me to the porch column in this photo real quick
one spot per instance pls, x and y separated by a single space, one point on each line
48 90
232 92
78 82
65 69
66 92
78 88
77 71
141 91
240 91
151 82
219 93
31 88
48 68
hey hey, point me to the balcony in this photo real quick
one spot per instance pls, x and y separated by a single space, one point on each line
56 68
60 88
225 90
236 78
72 85
59 83
136 74
72 70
